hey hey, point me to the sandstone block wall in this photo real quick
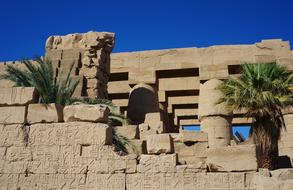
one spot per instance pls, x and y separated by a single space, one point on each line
64 156
38 150
51 154
178 73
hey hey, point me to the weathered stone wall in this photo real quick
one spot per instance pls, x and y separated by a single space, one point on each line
40 151
177 73
178 76
71 147
64 160
89 53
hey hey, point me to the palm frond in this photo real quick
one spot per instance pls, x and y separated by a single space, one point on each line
39 74
263 90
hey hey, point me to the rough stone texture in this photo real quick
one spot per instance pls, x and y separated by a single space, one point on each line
192 136
90 54
18 96
82 133
163 88
157 163
11 135
191 153
12 115
128 131
178 72
281 179
190 181
137 146
67 181
159 143
84 112
218 129
232 158
138 181
75 156
44 113
155 121
209 106
145 130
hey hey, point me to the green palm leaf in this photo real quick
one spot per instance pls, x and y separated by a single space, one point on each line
263 89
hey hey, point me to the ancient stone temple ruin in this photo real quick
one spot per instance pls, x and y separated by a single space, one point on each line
161 92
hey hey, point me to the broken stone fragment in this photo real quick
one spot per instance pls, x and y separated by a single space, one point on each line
84 112
128 131
159 143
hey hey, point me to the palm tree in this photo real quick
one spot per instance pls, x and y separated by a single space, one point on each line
263 90
51 90
40 74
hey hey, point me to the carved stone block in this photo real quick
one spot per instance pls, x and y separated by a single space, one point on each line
12 135
157 163
18 96
159 143
73 133
44 113
83 112
12 115
232 158
128 131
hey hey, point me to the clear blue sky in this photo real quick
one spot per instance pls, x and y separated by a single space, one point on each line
141 25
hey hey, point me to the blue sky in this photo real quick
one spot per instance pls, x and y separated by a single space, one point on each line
244 130
142 25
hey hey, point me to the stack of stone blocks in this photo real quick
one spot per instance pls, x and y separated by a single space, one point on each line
89 53
48 153
78 153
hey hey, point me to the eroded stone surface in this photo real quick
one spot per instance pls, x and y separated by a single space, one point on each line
159 143
44 113
157 163
128 131
232 158
70 133
18 96
12 115
84 112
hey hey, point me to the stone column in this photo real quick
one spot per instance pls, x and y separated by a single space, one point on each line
90 54
143 99
214 118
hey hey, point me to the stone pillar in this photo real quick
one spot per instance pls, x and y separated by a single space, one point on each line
143 99
90 54
214 118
